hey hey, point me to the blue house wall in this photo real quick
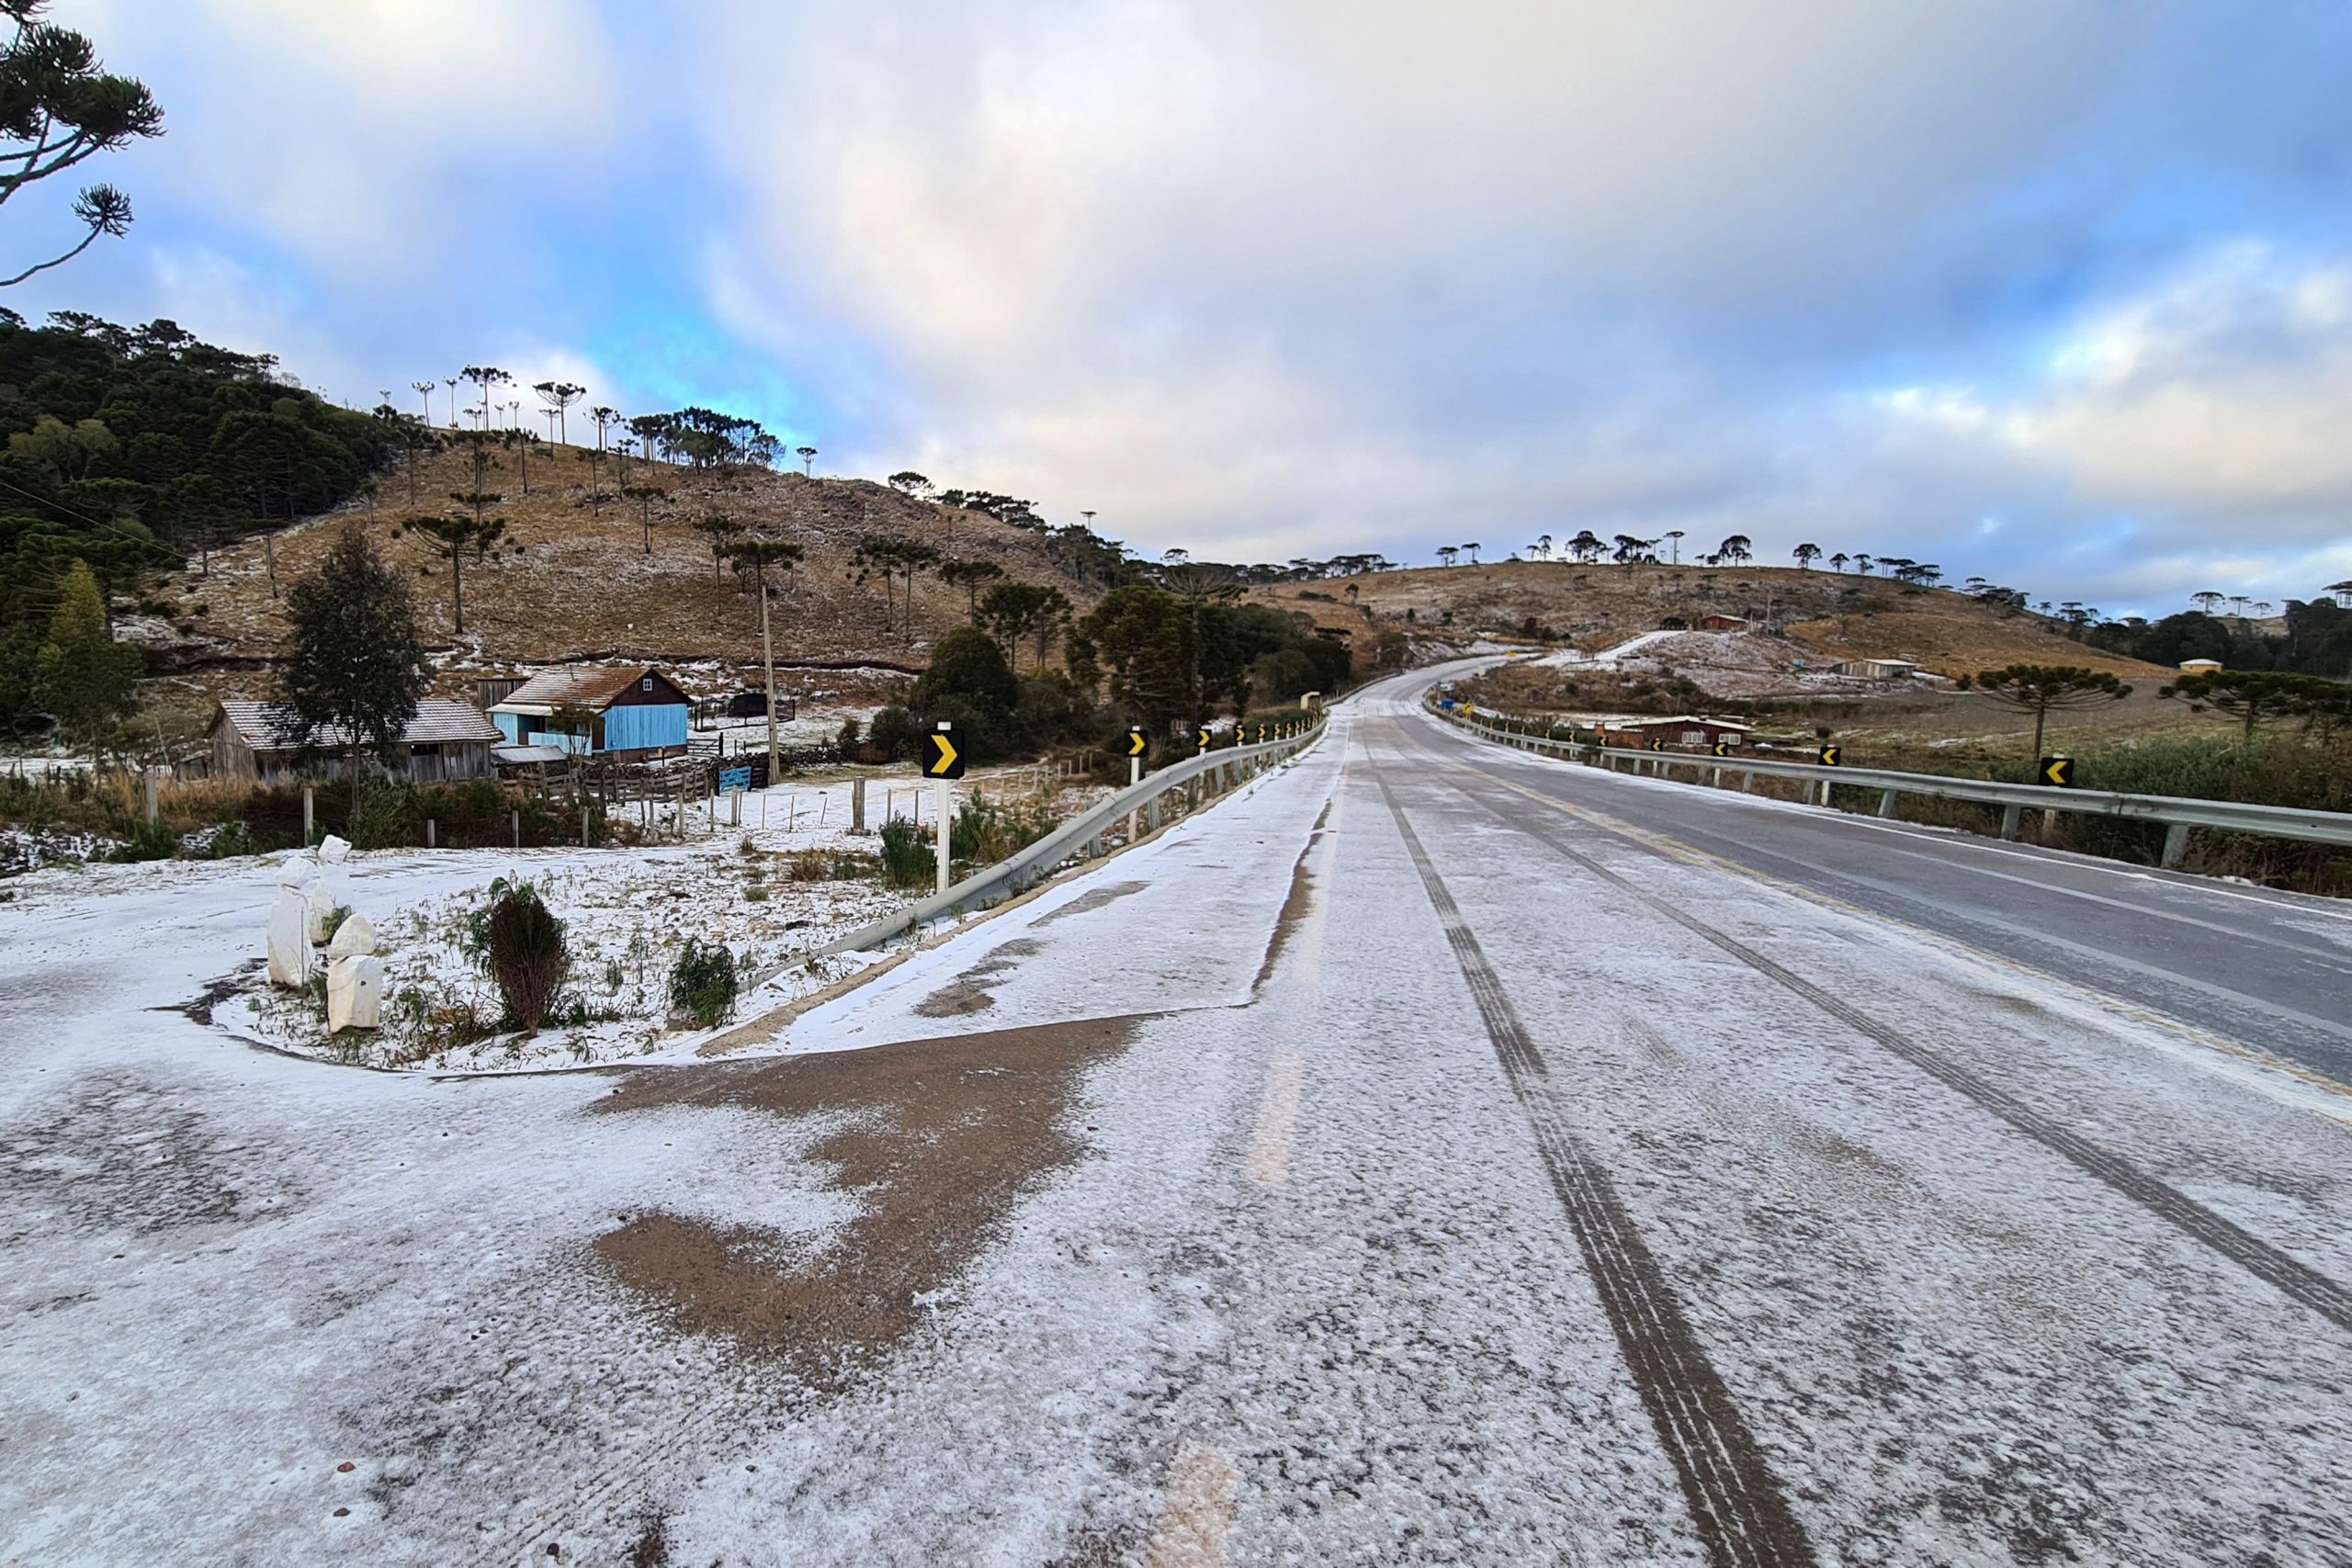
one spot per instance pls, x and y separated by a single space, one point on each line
640 726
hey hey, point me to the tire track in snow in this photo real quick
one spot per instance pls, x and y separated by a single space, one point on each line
2291 1277
1742 1517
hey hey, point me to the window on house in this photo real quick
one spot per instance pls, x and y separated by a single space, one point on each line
646 685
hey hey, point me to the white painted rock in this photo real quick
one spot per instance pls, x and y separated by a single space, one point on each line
354 991
356 938
289 939
333 851
322 902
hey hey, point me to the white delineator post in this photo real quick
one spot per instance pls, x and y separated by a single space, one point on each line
1135 777
940 814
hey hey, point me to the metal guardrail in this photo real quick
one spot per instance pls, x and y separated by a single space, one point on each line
2179 814
1082 834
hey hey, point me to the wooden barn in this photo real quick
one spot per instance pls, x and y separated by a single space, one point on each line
632 713
258 742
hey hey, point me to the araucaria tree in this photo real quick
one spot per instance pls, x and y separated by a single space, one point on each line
353 657
755 556
456 540
1014 610
1806 555
2254 697
559 396
82 676
970 576
2042 689
719 530
57 106
484 377
645 496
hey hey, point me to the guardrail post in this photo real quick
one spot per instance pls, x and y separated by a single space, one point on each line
2012 819
2176 846
1886 803
1151 816
1748 784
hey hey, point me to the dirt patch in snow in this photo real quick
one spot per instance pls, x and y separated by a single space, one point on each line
1088 902
968 992
940 1138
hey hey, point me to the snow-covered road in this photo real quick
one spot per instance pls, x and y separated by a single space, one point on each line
1430 1153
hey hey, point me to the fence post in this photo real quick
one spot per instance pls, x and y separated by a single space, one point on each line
583 824
2175 845
518 827
308 817
429 834
857 805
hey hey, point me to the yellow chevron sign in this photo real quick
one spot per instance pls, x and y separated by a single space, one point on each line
1828 758
1205 738
1138 744
2058 771
947 760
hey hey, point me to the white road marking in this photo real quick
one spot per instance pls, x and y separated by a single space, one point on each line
1197 1512
1269 1162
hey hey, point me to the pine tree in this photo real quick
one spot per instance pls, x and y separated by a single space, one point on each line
354 659
83 676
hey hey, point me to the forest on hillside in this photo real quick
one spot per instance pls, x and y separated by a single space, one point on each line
133 448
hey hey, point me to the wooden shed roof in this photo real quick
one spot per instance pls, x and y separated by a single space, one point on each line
438 720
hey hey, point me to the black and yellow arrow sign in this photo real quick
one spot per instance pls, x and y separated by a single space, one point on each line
2058 771
946 757
1828 758
1139 743
1261 734
1204 739
1658 745
1723 747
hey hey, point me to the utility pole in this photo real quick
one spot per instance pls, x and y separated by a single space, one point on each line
767 657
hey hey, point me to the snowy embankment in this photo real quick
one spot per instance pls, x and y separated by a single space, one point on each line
774 889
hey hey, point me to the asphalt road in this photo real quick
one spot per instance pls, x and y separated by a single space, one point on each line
2266 970
1429 1154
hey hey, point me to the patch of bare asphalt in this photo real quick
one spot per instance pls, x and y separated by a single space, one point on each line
968 992
116 1156
1295 906
942 1138
1087 902
199 1009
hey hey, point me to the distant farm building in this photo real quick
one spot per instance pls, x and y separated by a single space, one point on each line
629 715
2200 666
1630 729
1877 669
263 742
1723 624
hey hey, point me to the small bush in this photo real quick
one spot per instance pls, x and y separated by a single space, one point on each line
519 942
895 732
234 838
985 833
152 840
703 982
831 865
756 894
908 857
386 807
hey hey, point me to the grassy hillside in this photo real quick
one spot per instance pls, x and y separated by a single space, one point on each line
1832 616
582 584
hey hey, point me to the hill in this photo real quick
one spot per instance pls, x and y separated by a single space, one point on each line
585 580
1827 616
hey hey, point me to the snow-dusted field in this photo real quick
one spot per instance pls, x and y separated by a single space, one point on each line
1274 1193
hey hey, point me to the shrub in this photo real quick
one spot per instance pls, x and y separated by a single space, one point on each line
985 833
232 838
152 841
386 806
895 732
830 865
703 981
908 857
519 942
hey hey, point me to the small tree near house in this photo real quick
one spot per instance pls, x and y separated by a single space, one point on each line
353 657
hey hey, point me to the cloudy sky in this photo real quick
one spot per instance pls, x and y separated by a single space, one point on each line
2056 294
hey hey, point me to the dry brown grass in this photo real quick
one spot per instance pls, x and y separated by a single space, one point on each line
583 587
1836 615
